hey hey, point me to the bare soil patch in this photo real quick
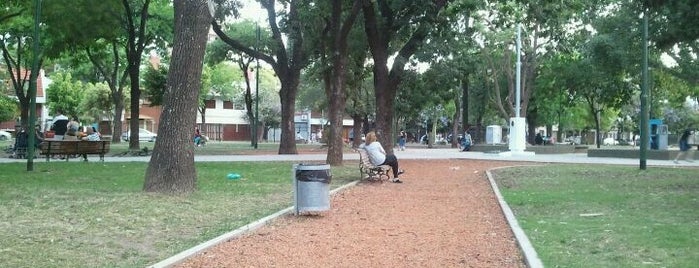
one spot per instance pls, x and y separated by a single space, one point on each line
443 215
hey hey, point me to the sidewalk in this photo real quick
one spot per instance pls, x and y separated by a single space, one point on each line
410 153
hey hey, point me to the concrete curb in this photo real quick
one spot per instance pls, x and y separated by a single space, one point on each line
530 255
184 255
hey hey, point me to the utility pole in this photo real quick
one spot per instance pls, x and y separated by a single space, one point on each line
644 95
257 88
31 131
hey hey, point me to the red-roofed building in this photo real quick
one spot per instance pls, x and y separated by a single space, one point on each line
41 109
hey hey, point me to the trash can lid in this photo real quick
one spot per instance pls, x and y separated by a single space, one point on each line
312 166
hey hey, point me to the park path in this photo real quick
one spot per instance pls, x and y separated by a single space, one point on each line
445 214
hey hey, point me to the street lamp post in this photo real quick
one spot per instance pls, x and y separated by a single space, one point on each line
32 88
257 88
644 96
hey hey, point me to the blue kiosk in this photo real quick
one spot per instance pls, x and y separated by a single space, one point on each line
658 134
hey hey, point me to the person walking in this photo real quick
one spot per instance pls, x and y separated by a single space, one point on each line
401 141
684 148
378 156
466 142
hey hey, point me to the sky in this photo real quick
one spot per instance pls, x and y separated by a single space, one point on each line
253 11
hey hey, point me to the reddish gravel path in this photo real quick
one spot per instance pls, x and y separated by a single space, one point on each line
443 215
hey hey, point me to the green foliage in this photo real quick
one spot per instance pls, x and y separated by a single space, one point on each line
9 108
89 22
226 80
673 21
65 95
154 85
608 216
246 33
96 103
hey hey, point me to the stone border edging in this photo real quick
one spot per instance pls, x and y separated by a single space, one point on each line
530 255
184 255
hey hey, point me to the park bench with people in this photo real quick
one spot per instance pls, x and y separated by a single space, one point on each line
67 148
370 171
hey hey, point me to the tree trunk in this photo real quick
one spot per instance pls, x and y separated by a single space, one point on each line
135 44
337 97
116 122
455 126
245 67
465 102
287 94
135 110
357 126
171 169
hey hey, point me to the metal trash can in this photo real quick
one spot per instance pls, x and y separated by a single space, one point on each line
311 187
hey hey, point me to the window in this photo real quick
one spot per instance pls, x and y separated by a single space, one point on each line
227 105
210 104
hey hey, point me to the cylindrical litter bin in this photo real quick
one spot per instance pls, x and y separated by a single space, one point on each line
311 187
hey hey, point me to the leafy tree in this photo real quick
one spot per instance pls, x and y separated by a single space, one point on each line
11 8
338 18
673 21
113 35
171 169
219 51
96 103
65 95
138 36
287 56
269 107
8 108
400 28
360 101
154 85
16 24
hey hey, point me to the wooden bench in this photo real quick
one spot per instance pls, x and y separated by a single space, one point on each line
370 171
74 147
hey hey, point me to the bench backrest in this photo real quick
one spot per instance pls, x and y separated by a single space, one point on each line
74 147
364 158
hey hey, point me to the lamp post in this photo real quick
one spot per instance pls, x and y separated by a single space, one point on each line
644 96
257 88
517 140
32 88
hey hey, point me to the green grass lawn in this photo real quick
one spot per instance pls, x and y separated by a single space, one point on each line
607 216
94 214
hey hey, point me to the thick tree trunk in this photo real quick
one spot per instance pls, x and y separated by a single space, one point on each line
116 122
357 126
171 169
287 95
337 99
336 94
135 110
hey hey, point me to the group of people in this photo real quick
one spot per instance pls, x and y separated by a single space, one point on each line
70 129
63 129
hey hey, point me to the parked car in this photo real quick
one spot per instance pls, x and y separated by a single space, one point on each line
5 136
143 135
